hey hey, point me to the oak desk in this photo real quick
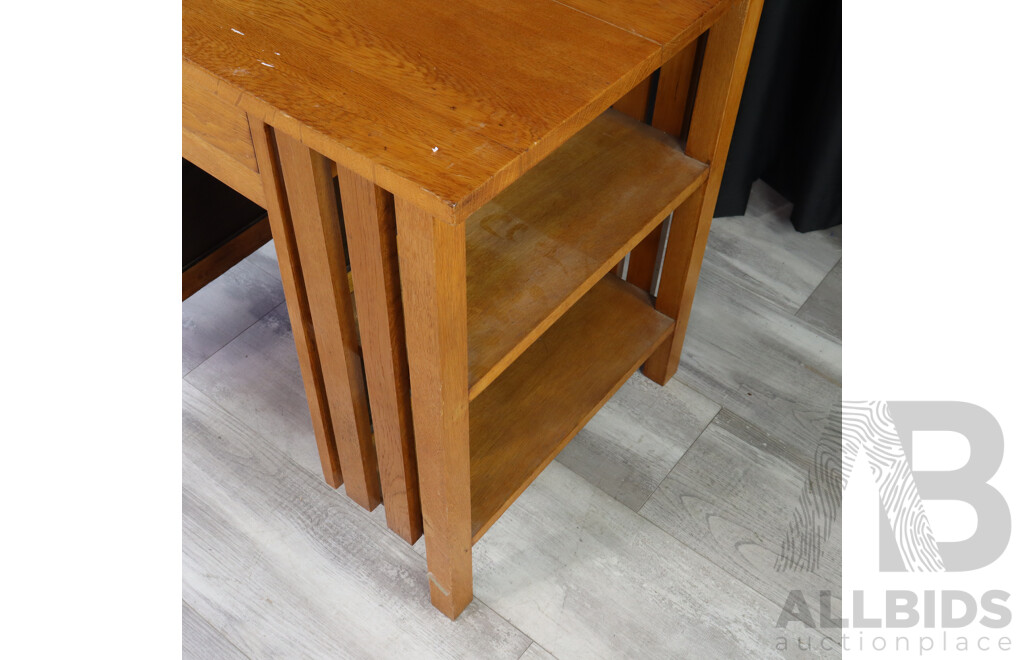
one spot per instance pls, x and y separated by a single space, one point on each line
487 191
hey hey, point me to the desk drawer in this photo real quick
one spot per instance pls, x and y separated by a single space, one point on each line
215 136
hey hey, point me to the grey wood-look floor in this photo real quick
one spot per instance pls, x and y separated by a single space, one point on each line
654 534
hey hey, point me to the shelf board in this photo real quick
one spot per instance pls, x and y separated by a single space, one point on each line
520 423
536 248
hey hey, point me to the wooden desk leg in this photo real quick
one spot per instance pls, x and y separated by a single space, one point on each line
432 256
317 225
372 249
723 71
295 299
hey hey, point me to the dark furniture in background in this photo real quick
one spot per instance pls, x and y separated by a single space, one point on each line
219 228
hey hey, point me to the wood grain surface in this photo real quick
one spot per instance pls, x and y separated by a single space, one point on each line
673 25
281 225
318 237
542 243
432 260
443 103
520 423
215 136
723 72
372 248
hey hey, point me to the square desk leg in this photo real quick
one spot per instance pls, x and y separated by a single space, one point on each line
723 71
432 256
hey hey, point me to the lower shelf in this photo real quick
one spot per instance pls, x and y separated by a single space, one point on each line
520 423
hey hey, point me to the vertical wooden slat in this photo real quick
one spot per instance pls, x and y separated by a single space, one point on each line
634 102
432 256
668 113
673 94
642 260
295 298
672 101
370 228
317 227
723 71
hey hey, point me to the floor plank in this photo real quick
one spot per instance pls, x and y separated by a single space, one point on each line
766 200
824 309
266 259
201 641
218 312
256 378
633 442
286 567
762 363
537 652
732 500
586 577
765 256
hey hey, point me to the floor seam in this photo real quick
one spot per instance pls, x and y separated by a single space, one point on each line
219 631
228 343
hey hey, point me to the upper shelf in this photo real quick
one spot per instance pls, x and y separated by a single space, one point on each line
443 103
536 248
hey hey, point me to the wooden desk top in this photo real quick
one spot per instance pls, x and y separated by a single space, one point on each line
446 102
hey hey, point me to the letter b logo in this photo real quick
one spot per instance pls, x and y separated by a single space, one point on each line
967 484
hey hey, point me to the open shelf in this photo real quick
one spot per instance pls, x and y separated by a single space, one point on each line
529 413
536 248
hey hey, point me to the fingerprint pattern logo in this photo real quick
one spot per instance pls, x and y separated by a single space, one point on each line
868 427
865 427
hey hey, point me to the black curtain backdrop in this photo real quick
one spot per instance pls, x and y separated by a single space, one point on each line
789 127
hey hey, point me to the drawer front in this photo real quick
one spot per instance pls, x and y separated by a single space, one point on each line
215 136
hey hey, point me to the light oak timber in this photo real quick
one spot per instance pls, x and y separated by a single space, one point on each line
432 259
215 136
446 119
488 120
634 103
370 228
669 112
297 301
520 423
317 227
541 244
676 84
224 257
215 121
723 71
643 259
439 86
673 25
223 167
